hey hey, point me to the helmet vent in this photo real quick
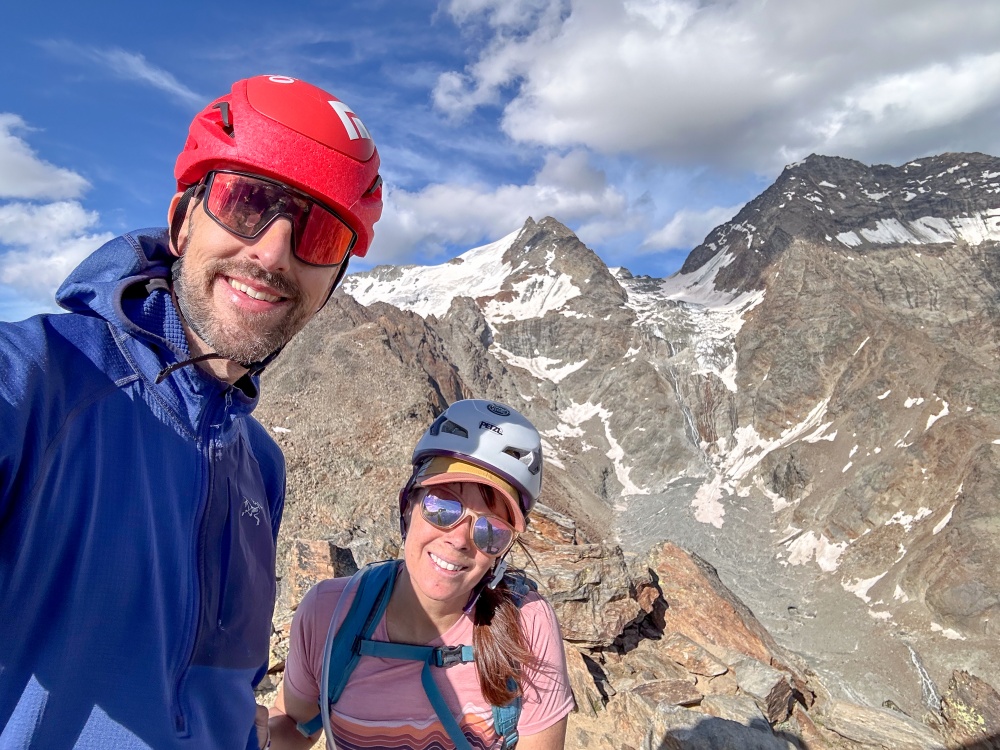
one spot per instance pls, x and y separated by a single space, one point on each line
227 123
531 459
435 428
453 429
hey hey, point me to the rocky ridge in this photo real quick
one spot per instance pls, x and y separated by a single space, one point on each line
825 415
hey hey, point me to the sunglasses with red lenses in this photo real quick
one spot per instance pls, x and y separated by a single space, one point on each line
491 535
247 204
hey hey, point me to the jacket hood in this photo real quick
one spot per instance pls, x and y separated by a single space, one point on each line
95 287
113 283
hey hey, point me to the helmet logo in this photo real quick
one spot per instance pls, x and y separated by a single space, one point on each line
352 123
280 79
492 427
500 411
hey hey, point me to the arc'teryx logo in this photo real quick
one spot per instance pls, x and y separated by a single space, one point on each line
251 508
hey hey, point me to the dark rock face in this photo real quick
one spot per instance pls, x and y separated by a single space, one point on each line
823 369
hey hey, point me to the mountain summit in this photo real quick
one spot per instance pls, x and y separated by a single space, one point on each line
940 200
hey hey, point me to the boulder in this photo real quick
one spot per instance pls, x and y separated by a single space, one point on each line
767 686
971 712
701 608
588 698
589 587
878 727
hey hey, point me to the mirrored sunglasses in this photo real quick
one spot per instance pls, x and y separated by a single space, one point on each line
247 204
491 535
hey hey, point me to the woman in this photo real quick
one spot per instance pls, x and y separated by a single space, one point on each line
476 477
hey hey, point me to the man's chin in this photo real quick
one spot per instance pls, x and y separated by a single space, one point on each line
247 351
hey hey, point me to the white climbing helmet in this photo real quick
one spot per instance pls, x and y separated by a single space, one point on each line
494 437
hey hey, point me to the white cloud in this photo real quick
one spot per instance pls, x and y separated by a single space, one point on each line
687 229
40 243
566 187
130 66
24 175
509 14
48 242
738 84
508 55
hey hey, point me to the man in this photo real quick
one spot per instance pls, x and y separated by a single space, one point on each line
139 500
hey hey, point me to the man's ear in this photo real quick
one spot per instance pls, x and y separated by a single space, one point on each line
176 221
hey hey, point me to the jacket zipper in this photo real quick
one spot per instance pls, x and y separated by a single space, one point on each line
180 720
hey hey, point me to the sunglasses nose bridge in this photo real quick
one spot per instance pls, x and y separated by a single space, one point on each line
274 242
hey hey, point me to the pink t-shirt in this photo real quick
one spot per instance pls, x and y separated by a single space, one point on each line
385 706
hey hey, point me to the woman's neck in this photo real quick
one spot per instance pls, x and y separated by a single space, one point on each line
410 618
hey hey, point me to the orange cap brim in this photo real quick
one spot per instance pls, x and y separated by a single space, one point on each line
443 469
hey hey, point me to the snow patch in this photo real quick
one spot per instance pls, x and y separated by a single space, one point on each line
906 520
952 635
551 455
576 414
944 521
808 546
935 417
429 290
543 368
861 586
849 238
974 229
533 298
707 503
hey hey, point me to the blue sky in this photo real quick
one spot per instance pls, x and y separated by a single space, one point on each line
641 124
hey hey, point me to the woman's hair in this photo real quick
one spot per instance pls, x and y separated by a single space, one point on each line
501 646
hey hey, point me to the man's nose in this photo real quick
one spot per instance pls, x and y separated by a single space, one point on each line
272 248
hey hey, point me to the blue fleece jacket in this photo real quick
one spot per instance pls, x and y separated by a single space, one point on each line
138 523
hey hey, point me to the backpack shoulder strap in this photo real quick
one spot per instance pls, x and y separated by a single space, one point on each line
373 588
505 718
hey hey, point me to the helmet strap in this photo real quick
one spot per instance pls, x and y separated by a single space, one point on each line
180 213
404 496
341 272
491 580
499 570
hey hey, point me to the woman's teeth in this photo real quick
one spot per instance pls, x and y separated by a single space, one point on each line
444 564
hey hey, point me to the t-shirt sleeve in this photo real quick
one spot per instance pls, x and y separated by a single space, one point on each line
304 664
547 694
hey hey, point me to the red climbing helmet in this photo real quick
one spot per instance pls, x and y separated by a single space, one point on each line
293 132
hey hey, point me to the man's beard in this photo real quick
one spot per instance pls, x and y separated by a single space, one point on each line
247 337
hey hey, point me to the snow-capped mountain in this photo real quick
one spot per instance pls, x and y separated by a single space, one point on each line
810 403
